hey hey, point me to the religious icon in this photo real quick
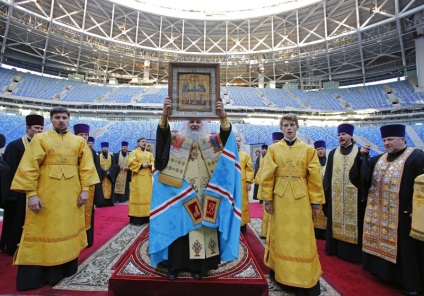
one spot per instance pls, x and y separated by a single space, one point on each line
194 90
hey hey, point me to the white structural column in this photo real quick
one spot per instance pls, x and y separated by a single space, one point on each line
419 51
146 70
261 75
419 47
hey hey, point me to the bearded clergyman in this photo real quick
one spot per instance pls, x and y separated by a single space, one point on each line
195 211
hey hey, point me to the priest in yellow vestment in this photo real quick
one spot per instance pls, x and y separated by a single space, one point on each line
320 221
140 162
83 130
276 137
291 187
55 172
107 174
246 182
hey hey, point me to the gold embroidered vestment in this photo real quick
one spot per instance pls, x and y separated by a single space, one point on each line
381 214
105 164
344 198
121 178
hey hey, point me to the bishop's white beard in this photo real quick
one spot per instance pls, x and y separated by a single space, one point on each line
195 135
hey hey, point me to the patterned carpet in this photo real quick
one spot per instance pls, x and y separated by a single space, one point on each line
274 290
242 276
138 264
94 273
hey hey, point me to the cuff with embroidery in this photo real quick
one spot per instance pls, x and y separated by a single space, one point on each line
31 193
225 123
163 122
85 189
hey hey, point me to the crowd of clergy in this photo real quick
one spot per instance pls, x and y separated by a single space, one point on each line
40 171
373 214
369 210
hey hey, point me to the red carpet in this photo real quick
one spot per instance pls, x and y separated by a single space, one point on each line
108 222
240 277
255 210
347 278
257 249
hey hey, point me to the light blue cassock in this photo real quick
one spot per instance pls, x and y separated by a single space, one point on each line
169 219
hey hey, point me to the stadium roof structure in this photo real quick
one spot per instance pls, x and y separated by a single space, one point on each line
349 41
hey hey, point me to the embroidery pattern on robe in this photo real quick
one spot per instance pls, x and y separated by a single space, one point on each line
121 178
381 214
345 198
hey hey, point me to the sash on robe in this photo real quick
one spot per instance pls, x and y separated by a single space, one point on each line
175 211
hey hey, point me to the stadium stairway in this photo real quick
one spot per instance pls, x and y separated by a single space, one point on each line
363 141
418 143
304 138
100 131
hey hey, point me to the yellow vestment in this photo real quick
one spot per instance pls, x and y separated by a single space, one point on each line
121 177
141 183
57 168
320 221
291 180
265 215
380 228
246 176
197 174
105 164
88 207
344 198
417 226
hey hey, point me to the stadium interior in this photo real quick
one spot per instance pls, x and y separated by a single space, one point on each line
107 61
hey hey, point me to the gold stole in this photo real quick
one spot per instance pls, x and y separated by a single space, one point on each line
210 149
320 221
381 215
323 167
417 227
25 141
88 207
345 198
204 241
173 174
105 164
121 178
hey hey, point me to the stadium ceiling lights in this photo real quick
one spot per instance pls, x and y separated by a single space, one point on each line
217 9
